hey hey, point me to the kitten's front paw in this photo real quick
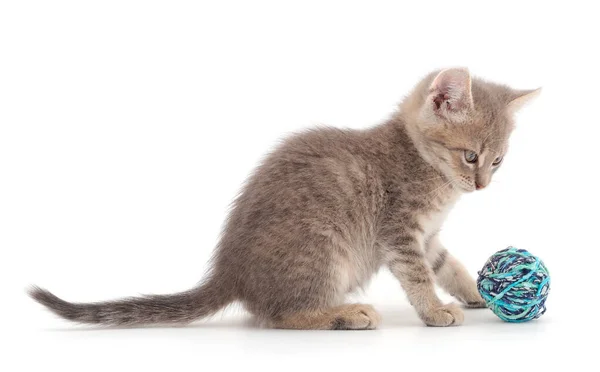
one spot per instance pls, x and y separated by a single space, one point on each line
447 315
480 304
472 300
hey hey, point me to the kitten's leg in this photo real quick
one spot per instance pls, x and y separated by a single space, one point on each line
451 274
408 263
354 316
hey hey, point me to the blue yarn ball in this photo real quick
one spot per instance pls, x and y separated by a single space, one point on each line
514 284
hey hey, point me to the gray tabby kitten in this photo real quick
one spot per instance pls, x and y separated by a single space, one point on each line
329 207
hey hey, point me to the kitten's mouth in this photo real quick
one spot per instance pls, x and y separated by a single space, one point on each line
465 188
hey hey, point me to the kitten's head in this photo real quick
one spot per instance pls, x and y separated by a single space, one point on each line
464 124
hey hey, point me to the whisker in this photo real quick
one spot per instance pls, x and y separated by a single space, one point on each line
437 188
426 180
437 192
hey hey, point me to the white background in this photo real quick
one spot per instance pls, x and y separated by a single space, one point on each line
127 127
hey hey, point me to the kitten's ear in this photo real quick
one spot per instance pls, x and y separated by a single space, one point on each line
520 98
450 94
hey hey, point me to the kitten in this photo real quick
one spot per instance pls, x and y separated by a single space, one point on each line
329 207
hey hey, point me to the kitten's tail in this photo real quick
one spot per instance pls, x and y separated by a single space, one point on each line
178 308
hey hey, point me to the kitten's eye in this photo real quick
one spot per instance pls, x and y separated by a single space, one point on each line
498 160
470 156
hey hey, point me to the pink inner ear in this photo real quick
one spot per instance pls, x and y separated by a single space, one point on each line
439 99
452 86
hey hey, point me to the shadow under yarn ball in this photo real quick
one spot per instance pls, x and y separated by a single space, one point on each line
514 284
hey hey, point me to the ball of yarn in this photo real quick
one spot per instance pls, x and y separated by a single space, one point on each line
514 284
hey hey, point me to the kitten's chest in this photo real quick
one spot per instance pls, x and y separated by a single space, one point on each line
431 220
